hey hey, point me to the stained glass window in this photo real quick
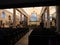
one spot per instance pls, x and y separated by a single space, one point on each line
33 17
3 15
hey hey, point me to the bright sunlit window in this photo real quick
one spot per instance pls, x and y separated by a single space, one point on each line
33 17
50 17
3 15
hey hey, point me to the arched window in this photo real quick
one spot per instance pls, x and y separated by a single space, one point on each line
50 17
22 17
33 17
3 15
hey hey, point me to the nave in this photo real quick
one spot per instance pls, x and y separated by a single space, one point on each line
25 39
9 36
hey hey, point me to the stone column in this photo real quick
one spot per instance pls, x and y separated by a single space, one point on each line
58 18
20 17
14 17
44 20
25 19
48 18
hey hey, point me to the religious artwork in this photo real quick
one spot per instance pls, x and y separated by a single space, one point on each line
33 17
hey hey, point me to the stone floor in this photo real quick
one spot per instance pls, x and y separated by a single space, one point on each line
24 39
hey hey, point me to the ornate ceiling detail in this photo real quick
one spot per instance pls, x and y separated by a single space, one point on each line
33 9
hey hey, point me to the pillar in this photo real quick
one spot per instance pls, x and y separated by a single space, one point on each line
20 17
44 20
14 17
48 18
25 19
58 18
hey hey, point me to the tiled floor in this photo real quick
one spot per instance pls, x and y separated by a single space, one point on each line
24 39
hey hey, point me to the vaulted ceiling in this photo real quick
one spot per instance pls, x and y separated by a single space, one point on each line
11 10
30 10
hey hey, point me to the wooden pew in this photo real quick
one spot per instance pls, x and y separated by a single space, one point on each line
9 36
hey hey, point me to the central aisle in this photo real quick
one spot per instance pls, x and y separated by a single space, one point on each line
24 39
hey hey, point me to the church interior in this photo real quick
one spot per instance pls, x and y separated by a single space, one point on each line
30 26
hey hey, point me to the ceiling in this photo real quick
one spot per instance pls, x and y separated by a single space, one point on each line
11 10
30 10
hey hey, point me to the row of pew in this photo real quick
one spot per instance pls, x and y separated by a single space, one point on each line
9 36
44 36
